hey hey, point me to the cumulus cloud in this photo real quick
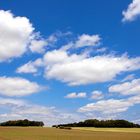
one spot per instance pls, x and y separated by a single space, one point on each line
127 88
60 57
30 67
110 106
73 67
11 102
134 99
105 109
132 12
97 95
84 40
80 69
129 77
16 33
18 36
21 109
76 95
136 121
15 86
87 40
38 46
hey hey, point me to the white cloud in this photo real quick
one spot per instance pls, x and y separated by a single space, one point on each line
111 106
17 36
76 95
87 40
79 69
83 40
67 46
128 77
15 86
11 102
137 121
21 109
16 33
61 57
33 109
105 108
27 68
127 88
134 99
30 67
38 46
97 95
132 12
101 50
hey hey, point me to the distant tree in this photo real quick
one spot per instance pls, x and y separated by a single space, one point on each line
102 123
22 123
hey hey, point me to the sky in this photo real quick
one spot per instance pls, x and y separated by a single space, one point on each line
66 61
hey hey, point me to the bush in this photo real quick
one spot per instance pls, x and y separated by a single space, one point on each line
62 127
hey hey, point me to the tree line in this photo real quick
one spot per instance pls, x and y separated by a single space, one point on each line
22 123
102 123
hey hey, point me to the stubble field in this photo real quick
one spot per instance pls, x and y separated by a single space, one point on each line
32 133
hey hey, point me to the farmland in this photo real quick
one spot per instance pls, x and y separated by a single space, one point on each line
38 133
127 130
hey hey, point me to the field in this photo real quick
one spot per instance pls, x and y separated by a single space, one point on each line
127 130
29 133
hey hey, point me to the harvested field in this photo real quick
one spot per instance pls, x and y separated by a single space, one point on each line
32 133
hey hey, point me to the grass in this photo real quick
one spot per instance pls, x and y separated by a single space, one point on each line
30 133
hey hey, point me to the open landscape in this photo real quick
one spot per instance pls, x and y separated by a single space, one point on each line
88 130
127 130
35 133
69 69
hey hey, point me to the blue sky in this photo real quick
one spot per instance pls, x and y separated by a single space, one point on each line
66 61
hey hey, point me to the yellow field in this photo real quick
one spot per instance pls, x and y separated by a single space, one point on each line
128 130
30 133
